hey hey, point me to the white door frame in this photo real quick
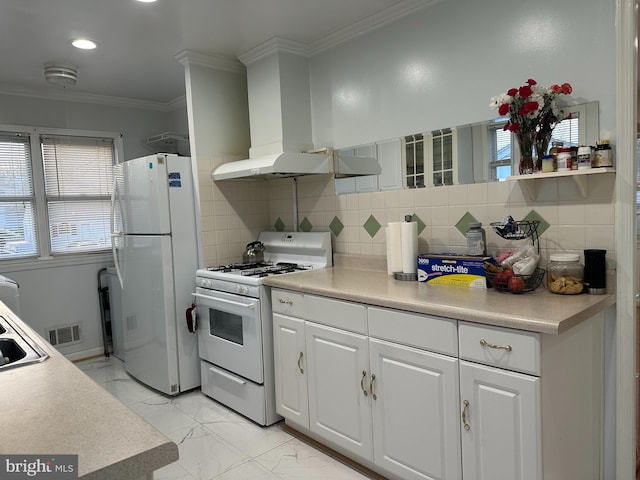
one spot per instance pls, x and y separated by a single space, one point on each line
625 235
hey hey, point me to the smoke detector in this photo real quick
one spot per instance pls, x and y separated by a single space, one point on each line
58 74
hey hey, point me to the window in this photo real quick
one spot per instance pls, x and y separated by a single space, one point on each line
429 159
17 200
414 160
442 157
55 192
570 131
499 151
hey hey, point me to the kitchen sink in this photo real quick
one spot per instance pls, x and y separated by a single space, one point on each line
16 347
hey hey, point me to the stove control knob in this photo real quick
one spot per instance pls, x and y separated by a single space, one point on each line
243 289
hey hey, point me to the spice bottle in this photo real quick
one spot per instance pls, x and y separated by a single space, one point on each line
574 158
584 158
564 159
603 156
476 240
553 151
565 274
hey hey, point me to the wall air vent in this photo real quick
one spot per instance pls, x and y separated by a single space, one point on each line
66 335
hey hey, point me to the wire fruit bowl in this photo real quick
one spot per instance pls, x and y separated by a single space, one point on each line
516 230
514 283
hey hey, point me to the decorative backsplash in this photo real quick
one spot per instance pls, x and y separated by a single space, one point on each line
567 221
232 214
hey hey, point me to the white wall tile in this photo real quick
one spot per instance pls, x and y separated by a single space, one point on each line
572 214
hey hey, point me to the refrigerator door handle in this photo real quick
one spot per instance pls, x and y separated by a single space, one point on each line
115 234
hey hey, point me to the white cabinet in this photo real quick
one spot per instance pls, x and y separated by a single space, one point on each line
390 159
338 366
532 402
290 361
414 396
417 397
501 428
391 406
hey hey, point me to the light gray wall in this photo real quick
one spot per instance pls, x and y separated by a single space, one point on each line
439 67
135 124
51 294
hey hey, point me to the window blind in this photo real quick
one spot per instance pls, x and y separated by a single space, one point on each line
17 211
78 180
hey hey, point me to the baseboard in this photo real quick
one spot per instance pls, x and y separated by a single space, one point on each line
332 453
85 354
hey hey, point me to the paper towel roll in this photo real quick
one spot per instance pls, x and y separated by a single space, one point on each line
394 247
409 238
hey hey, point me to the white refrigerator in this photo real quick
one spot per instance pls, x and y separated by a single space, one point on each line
156 254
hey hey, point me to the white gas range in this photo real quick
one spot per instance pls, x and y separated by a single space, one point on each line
235 336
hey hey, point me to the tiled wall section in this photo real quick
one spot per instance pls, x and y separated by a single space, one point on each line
232 214
575 223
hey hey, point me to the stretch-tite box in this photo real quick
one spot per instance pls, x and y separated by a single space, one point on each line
449 269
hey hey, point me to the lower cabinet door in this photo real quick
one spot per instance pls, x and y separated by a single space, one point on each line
500 424
338 380
415 400
290 369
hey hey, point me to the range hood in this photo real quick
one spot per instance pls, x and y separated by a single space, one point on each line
280 123
284 165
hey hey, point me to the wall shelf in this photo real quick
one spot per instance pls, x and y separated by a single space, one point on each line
530 182
167 142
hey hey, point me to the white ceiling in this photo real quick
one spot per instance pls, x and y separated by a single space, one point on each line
137 42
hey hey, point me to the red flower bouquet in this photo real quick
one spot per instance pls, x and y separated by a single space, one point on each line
532 112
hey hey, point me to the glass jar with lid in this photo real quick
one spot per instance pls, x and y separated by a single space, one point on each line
565 274
476 240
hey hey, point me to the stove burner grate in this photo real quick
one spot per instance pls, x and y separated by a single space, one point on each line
261 269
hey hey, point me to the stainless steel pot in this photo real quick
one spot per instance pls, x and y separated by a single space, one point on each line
254 253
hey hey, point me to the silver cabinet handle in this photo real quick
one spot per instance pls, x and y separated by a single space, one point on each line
373 378
364 390
299 362
464 415
484 343
286 301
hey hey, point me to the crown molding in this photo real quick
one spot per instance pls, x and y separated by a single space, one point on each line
271 46
80 97
210 60
368 24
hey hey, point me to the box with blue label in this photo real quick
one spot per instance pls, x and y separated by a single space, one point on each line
457 270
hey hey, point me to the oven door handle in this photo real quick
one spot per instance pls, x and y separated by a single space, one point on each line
208 299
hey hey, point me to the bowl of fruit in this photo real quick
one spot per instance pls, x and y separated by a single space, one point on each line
505 280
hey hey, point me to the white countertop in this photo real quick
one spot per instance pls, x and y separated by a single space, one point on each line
53 407
539 311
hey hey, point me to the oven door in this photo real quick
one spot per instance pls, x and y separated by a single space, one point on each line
230 332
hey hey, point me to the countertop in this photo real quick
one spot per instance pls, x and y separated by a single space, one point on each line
539 311
52 407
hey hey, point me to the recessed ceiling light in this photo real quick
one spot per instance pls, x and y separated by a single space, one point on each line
146 1
84 43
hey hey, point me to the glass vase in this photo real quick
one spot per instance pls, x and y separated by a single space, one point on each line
541 146
525 142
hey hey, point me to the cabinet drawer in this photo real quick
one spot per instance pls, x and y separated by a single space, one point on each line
289 303
500 347
416 330
336 313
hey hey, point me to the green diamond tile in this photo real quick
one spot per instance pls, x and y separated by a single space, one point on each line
371 226
336 226
279 225
418 220
542 226
305 225
463 223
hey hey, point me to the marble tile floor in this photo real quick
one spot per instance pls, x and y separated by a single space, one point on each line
214 441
